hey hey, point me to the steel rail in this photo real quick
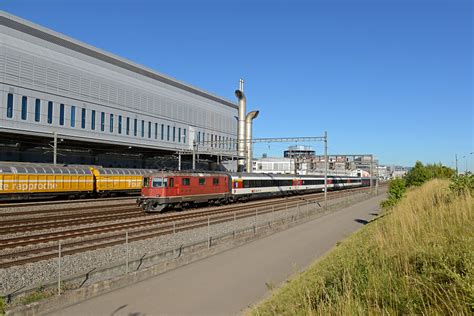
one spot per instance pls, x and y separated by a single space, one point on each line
199 220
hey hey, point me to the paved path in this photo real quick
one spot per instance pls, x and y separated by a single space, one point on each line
227 283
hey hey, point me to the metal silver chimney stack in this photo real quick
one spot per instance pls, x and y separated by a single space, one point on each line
248 142
241 126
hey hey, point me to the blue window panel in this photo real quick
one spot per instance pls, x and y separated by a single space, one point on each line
37 110
73 116
61 114
143 128
10 105
179 135
184 136
168 133
156 130
162 131
120 124
102 121
93 120
83 118
24 108
149 129
111 123
127 130
50 112
135 127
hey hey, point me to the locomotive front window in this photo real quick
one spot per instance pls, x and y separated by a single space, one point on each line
159 182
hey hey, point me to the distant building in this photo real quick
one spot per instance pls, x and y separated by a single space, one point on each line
299 151
274 165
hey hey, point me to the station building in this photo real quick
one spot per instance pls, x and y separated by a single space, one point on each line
105 110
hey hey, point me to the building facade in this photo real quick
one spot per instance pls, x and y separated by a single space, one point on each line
50 83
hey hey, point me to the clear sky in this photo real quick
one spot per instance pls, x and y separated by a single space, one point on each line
389 77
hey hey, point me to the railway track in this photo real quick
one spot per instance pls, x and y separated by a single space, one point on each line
26 249
26 204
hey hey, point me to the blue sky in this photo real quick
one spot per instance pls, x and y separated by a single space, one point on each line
389 77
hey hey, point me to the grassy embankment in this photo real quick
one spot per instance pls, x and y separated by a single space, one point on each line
418 257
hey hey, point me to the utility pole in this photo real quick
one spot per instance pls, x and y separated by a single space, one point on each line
194 155
55 147
326 169
456 157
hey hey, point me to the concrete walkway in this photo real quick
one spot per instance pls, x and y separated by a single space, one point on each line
227 283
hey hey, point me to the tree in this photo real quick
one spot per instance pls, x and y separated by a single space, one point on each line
418 175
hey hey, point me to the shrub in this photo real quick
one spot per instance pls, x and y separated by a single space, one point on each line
396 190
462 184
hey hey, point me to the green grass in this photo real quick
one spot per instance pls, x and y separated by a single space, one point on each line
417 258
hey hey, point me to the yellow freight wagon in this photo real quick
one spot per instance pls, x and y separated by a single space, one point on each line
115 180
25 181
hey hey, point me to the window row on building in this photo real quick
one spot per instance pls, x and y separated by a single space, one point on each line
97 120
215 141
72 116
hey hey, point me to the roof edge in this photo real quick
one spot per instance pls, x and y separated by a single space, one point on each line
27 27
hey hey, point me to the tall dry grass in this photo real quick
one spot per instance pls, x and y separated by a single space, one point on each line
418 258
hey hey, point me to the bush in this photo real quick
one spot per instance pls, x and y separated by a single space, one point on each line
396 190
419 174
462 184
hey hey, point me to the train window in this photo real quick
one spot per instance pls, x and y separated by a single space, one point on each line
159 182
149 129
199 137
93 120
203 137
10 105
120 124
135 123
186 181
168 133
184 135
162 131
24 108
143 128
179 135
73 116
202 181
174 133
127 127
37 110
83 118
146 182
215 181
171 182
156 130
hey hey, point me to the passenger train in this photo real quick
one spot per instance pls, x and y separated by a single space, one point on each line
182 189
